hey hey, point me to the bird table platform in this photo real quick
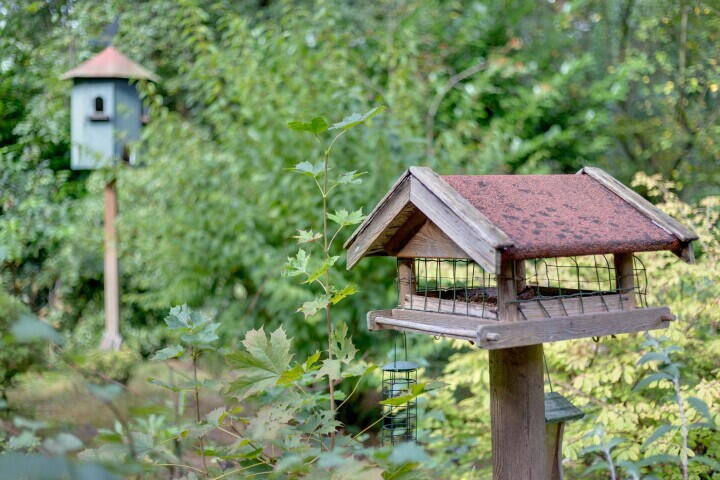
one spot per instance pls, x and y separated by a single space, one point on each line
510 262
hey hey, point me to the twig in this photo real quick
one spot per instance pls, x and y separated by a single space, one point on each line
194 354
232 472
178 465
439 97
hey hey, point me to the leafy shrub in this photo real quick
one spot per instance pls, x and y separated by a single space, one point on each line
15 358
114 365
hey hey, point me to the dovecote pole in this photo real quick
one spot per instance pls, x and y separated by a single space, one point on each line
106 117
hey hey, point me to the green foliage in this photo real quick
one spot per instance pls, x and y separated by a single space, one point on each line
115 365
23 343
472 86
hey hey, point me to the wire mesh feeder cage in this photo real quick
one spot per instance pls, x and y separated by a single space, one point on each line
399 421
546 288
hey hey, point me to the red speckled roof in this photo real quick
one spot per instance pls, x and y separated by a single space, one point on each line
109 63
560 215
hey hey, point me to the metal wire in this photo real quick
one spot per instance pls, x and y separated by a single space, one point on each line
553 287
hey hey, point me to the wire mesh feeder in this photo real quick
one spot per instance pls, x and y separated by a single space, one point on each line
399 421
547 288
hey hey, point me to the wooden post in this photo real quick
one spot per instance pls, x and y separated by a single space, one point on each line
625 275
111 339
406 281
517 400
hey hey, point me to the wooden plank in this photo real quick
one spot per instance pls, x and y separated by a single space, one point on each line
659 217
372 315
455 227
625 276
415 220
484 228
378 221
431 242
564 307
533 332
518 414
440 318
433 304
453 326
686 253
507 292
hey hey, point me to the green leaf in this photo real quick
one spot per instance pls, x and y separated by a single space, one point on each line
351 177
29 329
702 408
342 346
316 126
356 119
344 218
330 368
307 168
298 264
262 364
341 294
312 307
166 353
311 361
408 453
269 421
107 392
306 236
415 391
710 462
658 433
320 271
62 443
658 459
652 378
290 376
654 357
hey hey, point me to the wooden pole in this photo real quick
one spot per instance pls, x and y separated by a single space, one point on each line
517 398
625 274
406 279
111 339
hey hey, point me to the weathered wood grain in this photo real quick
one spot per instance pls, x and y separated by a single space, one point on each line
432 304
570 306
430 242
518 413
452 326
532 332
378 221
625 277
660 218
507 292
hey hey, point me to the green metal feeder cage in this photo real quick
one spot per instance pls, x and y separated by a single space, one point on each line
399 421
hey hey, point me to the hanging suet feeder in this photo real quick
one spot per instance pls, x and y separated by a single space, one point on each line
399 421
558 411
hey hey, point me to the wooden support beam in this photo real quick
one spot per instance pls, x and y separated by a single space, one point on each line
406 278
507 291
507 335
625 276
518 414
